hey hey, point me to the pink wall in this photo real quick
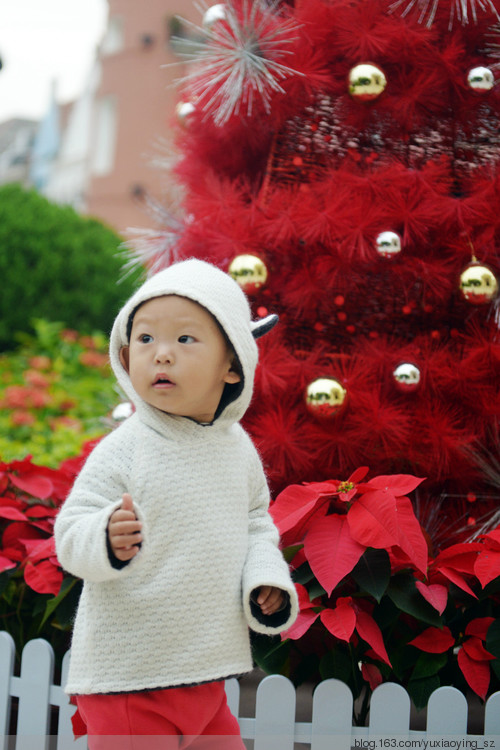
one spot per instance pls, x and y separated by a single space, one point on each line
145 106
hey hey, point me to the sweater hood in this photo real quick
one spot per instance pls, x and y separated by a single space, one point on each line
218 293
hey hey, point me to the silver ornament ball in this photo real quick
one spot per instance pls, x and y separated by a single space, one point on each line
388 244
407 377
480 79
366 82
213 15
183 112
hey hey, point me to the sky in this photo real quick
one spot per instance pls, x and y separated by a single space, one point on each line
42 41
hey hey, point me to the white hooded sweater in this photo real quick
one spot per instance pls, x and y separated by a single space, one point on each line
177 613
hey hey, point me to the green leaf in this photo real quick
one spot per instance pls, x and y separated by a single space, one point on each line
315 590
65 613
403 660
336 663
5 579
66 586
493 639
428 665
421 690
290 552
303 574
306 670
493 587
495 667
404 594
270 653
373 572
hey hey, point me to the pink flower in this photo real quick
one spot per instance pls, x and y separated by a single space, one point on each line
93 359
20 417
40 363
69 335
36 379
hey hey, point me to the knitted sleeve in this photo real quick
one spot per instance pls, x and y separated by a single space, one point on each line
264 564
81 526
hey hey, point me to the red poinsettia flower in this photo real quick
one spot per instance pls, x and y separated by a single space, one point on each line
371 674
473 659
307 615
434 640
29 503
375 514
42 571
435 593
487 564
26 476
340 620
456 564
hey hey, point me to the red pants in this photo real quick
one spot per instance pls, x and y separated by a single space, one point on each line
197 717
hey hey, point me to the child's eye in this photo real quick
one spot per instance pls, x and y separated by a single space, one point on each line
145 338
186 339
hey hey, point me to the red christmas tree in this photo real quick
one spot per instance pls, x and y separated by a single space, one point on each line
341 159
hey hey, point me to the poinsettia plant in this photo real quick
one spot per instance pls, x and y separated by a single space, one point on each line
376 602
37 599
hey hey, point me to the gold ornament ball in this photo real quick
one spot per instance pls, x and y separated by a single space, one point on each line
249 272
407 377
388 244
366 82
478 284
480 79
325 397
183 112
212 15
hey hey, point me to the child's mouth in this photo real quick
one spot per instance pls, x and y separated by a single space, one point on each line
162 381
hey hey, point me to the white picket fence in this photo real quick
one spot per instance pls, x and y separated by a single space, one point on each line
273 727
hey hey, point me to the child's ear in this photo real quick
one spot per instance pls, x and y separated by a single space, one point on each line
232 375
125 357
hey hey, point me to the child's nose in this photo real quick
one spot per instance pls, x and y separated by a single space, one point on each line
164 354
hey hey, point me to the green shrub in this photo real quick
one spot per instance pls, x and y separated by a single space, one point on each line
56 265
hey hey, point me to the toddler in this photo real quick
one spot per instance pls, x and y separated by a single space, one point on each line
168 525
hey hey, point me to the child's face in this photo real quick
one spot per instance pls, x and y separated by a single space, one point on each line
178 360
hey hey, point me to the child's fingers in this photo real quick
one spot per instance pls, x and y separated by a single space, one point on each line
264 593
270 599
123 516
126 510
120 528
124 545
125 541
126 554
127 502
124 530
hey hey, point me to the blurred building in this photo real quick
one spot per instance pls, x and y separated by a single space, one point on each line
100 153
16 143
134 106
71 126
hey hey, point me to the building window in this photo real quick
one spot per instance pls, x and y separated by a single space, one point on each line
113 41
105 141
182 36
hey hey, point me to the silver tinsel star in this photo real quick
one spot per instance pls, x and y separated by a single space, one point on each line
238 59
493 45
463 10
153 249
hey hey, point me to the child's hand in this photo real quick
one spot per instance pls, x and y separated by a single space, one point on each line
270 599
124 530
